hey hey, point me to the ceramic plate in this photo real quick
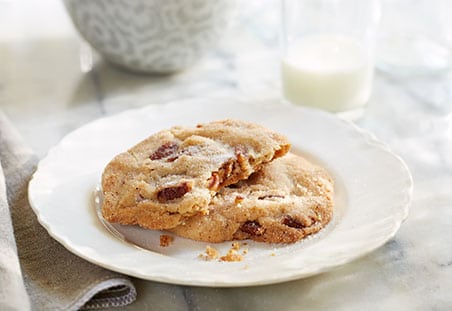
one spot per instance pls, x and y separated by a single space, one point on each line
373 189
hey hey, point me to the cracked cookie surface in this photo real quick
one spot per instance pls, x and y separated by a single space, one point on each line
174 173
286 200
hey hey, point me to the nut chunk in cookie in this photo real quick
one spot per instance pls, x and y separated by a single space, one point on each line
174 173
287 200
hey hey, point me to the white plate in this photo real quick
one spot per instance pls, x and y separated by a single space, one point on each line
373 191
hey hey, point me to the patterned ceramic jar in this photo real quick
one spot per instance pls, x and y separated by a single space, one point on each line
160 36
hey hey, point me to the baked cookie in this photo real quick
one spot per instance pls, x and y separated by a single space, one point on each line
174 173
285 201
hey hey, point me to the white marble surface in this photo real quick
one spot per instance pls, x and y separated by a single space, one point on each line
51 83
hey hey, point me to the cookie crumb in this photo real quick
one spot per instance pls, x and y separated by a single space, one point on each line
232 255
209 254
212 253
273 254
166 240
236 246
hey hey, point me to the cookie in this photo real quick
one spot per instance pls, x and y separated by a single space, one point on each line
174 173
285 201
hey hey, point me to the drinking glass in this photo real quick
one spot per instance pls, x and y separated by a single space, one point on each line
328 53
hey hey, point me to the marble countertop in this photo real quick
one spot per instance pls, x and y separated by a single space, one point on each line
51 82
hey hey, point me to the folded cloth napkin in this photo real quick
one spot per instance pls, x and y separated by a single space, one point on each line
36 272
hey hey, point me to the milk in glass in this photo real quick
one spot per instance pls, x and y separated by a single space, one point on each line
327 71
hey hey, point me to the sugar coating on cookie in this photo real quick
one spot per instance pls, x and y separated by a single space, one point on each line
287 200
174 173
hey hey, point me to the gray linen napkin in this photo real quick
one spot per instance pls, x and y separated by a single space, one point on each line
42 273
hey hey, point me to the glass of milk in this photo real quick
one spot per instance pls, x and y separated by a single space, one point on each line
328 53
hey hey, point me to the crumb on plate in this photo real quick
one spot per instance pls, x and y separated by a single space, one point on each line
166 240
233 254
210 253
235 246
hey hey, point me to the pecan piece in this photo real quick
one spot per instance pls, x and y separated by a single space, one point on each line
217 179
214 181
292 222
240 153
226 169
252 228
164 151
173 192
